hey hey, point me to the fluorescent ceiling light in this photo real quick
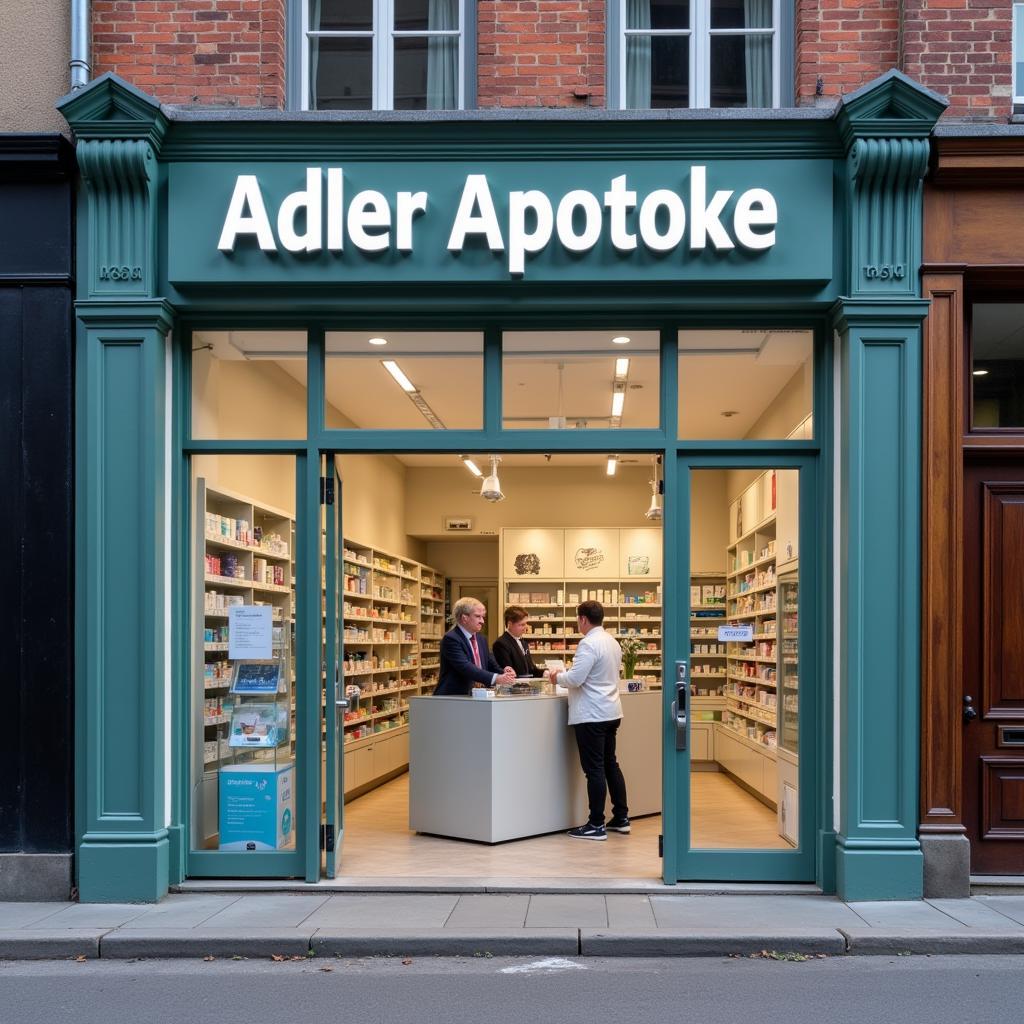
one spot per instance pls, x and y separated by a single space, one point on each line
612 462
618 400
395 370
620 341
621 369
471 466
378 341
980 373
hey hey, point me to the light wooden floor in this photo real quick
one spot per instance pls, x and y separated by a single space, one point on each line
378 842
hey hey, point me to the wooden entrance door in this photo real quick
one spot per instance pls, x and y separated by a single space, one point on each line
993 680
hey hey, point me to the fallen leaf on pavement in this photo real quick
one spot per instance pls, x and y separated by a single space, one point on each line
209 958
278 958
327 970
406 963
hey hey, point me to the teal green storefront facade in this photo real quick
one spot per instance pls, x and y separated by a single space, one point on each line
188 220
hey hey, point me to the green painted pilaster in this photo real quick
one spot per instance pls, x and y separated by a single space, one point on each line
122 685
121 691
885 128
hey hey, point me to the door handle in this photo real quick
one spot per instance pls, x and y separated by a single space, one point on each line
341 703
969 713
681 705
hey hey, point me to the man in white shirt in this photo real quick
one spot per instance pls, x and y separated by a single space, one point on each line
595 712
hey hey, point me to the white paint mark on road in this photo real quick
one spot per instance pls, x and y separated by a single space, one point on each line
550 966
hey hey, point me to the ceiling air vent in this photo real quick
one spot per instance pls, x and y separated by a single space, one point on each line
458 524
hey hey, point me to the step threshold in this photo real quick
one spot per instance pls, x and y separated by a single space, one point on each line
405 884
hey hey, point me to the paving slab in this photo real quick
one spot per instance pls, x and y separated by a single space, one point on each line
407 910
93 915
709 942
448 942
894 941
22 915
550 910
903 914
1011 907
976 915
489 911
58 944
182 912
272 910
133 943
762 914
630 913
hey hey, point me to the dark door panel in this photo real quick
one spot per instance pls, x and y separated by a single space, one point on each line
994 664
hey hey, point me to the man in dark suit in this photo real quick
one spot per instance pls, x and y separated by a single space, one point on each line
511 648
466 660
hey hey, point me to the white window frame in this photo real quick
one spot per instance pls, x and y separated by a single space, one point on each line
1017 57
383 51
700 56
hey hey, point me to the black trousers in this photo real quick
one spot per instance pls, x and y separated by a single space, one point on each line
596 743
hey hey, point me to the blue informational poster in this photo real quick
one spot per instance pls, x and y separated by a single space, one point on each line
257 807
257 677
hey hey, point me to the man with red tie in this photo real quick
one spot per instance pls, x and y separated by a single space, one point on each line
466 660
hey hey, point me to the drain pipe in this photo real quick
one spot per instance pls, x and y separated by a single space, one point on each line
81 38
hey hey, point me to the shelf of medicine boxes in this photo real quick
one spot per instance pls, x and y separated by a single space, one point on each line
246 549
707 654
752 598
384 625
431 626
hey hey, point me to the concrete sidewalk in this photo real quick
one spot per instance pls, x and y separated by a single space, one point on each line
468 924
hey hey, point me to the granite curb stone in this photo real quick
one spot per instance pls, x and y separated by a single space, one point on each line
448 942
923 941
708 942
56 944
127 944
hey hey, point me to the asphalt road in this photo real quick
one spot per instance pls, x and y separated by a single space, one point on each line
858 990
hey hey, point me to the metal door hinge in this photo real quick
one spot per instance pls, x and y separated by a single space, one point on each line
326 490
661 847
327 838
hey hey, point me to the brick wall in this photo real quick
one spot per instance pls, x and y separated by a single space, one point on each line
204 52
962 50
541 53
959 48
845 43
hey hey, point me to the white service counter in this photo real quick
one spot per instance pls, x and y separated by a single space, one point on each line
493 770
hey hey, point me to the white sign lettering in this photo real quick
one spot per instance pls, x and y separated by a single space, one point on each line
374 222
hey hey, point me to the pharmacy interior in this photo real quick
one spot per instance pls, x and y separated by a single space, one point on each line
326 390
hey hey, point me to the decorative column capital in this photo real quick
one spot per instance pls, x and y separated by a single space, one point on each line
119 131
885 128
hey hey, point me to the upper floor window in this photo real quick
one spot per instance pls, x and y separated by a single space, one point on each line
384 54
698 53
1018 57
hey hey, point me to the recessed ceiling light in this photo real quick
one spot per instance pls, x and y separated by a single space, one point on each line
471 466
621 369
400 378
611 465
618 400
378 341
620 341
981 373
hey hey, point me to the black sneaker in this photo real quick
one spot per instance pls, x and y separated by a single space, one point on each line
589 831
620 825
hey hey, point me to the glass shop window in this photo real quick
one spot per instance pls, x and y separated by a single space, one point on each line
580 380
404 380
746 384
244 768
997 365
248 385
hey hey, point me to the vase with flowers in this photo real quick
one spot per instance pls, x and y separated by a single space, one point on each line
631 647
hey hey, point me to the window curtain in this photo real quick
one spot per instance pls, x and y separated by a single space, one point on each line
314 51
758 53
443 56
638 55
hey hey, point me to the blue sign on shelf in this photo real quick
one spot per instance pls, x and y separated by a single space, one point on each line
736 634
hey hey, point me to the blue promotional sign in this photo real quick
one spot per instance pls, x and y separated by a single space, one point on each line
257 807
735 634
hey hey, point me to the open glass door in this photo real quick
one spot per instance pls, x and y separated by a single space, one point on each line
335 702
744 699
